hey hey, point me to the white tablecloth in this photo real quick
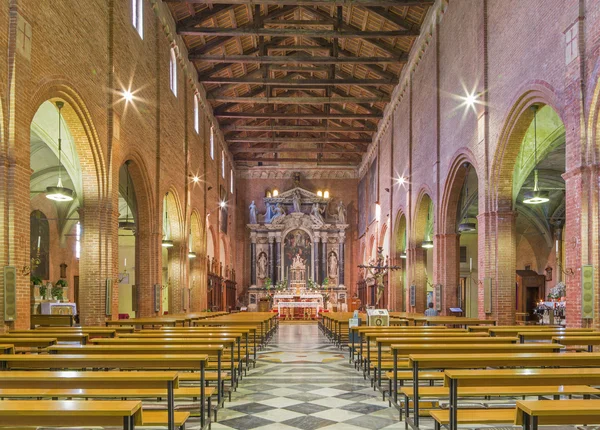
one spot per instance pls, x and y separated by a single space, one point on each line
315 305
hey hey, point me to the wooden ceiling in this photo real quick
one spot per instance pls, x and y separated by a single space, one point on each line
298 81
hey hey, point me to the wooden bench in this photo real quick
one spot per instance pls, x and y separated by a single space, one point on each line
52 320
109 361
141 322
70 413
474 416
7 349
549 334
569 340
80 338
32 343
531 413
537 327
478 361
51 331
503 331
39 384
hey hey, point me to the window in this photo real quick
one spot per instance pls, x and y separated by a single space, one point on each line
231 181
212 143
173 72
196 115
463 254
137 16
223 164
78 240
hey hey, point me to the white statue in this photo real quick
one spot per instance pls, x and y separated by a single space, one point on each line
253 213
269 213
332 265
262 265
317 212
297 201
279 214
341 209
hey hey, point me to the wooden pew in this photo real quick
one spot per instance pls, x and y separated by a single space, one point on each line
81 338
117 329
110 361
52 320
502 381
141 322
549 334
572 340
34 384
462 321
29 342
531 413
7 349
70 413
480 360
537 327
50 331
503 331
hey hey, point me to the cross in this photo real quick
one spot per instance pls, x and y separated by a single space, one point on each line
379 270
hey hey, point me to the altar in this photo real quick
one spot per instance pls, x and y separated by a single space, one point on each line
297 252
58 308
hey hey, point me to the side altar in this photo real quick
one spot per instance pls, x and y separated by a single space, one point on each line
297 251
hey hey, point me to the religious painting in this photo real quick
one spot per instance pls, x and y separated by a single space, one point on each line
372 191
39 245
297 251
362 203
224 210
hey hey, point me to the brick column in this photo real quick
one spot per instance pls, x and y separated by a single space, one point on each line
497 261
145 276
446 268
177 256
416 261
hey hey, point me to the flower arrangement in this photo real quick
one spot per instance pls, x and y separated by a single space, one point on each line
560 290
281 285
325 283
268 283
311 285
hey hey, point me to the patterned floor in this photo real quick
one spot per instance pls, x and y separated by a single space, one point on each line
303 382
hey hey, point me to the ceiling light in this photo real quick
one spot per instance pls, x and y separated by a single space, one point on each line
400 180
427 244
166 243
222 204
191 254
466 226
59 193
127 95
536 196
195 179
403 255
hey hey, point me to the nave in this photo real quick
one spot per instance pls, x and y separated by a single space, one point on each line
303 381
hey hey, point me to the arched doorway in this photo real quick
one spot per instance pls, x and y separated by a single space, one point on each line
56 196
531 211
399 276
127 260
457 244
173 251
421 258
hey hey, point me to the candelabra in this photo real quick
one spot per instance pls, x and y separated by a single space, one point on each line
378 270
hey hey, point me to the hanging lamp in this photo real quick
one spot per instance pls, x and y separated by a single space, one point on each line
127 225
166 243
427 244
536 196
59 193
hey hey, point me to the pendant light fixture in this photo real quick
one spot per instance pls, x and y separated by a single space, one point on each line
536 196
427 244
127 225
465 225
59 193
166 243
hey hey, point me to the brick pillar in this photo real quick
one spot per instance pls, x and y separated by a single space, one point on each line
92 279
497 261
177 254
580 241
417 266
145 276
447 268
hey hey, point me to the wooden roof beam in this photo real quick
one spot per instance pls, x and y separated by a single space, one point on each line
345 33
315 140
295 59
286 115
299 150
251 80
383 3
295 128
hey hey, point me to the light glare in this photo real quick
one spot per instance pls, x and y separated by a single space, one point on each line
127 95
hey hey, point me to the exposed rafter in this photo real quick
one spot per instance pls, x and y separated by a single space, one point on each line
293 59
297 82
298 140
298 150
275 115
384 3
294 128
309 100
293 32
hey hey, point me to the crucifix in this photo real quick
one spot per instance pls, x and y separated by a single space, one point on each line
378 270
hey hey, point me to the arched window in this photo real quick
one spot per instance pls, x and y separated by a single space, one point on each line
173 72
137 9
196 114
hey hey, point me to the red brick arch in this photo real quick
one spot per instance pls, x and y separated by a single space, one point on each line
420 216
511 137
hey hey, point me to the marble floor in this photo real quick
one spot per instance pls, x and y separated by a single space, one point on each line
302 381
